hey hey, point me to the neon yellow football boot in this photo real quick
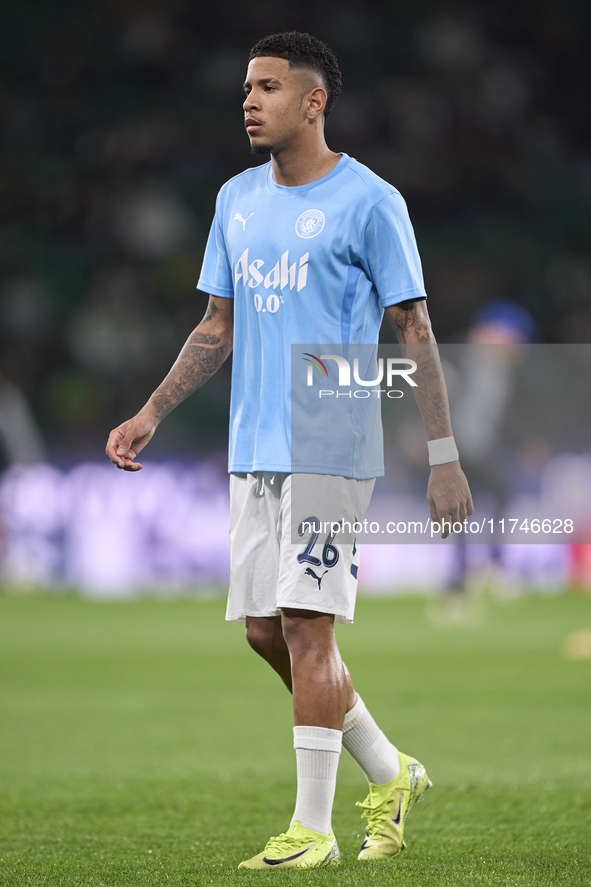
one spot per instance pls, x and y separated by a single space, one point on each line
299 848
387 806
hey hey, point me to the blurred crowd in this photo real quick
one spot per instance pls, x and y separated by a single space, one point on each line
122 118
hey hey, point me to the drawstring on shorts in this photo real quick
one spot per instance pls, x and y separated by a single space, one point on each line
260 487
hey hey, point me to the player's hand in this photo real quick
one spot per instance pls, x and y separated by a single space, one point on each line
129 439
448 495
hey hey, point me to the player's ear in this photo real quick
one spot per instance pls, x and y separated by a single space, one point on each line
316 103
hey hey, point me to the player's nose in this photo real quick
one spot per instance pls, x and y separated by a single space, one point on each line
249 103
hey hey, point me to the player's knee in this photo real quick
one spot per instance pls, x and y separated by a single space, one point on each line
260 637
304 630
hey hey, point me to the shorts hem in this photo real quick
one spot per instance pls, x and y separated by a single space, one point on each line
241 617
330 611
341 618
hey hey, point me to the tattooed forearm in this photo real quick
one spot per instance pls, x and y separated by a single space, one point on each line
194 366
412 325
212 310
204 338
202 355
431 393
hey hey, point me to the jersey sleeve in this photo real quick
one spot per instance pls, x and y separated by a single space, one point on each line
392 257
216 273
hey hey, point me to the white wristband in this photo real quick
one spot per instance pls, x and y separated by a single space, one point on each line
442 450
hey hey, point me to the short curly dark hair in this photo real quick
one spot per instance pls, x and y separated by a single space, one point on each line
304 51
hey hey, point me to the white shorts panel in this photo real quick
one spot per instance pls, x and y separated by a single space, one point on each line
268 571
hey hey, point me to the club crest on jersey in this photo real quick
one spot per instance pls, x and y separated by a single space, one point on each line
310 223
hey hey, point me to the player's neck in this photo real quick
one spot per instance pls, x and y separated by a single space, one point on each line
303 164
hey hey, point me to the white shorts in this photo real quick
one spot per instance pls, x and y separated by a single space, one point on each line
269 570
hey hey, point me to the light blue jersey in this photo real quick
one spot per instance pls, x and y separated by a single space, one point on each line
313 263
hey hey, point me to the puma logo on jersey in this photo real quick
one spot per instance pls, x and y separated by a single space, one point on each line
238 218
310 572
282 274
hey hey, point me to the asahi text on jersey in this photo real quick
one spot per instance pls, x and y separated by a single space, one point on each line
282 274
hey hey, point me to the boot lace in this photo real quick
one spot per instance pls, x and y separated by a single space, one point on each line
375 810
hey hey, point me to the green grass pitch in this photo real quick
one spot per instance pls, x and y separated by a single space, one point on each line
143 743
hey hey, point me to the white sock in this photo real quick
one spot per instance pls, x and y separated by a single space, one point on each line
368 745
317 756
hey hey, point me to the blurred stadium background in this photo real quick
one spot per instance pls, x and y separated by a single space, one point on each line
120 122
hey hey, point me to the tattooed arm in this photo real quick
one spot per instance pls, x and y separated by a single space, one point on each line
201 356
448 493
412 326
